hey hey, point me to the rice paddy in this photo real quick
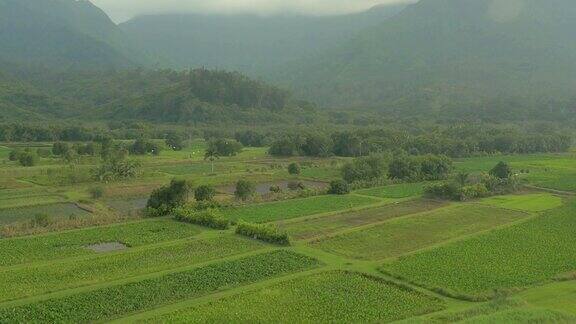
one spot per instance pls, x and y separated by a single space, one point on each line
376 255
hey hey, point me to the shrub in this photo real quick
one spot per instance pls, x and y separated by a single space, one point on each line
204 193
96 192
365 169
262 232
294 169
27 159
165 199
452 191
209 218
60 148
275 189
339 187
244 190
502 171
13 156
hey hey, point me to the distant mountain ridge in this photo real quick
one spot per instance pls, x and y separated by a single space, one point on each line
258 45
437 49
63 34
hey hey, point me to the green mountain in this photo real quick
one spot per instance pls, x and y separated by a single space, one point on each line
62 34
450 54
249 43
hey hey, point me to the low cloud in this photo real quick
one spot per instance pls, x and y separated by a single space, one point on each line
121 10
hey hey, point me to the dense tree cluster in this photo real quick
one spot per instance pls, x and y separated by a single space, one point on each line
450 141
500 180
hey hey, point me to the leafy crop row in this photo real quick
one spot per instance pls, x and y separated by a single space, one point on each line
44 278
73 243
330 297
509 258
266 233
288 209
209 218
403 235
111 302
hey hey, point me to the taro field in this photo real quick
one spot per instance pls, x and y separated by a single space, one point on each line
375 255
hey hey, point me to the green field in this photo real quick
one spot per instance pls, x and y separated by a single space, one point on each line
529 203
403 235
313 227
45 278
331 297
558 296
545 170
282 210
404 190
376 255
514 257
110 302
73 243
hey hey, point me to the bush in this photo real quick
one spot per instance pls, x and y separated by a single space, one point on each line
452 191
262 232
27 159
166 199
244 190
294 169
275 189
60 148
339 187
209 218
502 171
13 156
96 192
365 169
204 193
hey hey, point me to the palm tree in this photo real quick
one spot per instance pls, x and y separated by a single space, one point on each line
462 178
212 155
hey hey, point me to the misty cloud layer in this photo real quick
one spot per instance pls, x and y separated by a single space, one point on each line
121 10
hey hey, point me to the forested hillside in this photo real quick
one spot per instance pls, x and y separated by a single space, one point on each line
451 56
63 33
191 97
258 45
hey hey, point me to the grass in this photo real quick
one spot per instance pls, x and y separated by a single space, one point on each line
559 296
529 203
522 316
404 190
506 259
404 235
287 209
114 301
330 297
4 152
321 173
73 243
26 198
545 170
53 211
314 227
45 278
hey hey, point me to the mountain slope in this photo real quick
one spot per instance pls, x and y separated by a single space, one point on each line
437 51
62 33
248 43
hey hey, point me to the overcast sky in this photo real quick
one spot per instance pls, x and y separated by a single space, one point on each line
121 10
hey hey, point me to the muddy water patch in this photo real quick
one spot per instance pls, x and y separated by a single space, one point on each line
107 247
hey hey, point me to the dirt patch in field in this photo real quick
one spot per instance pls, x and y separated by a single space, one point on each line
107 247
